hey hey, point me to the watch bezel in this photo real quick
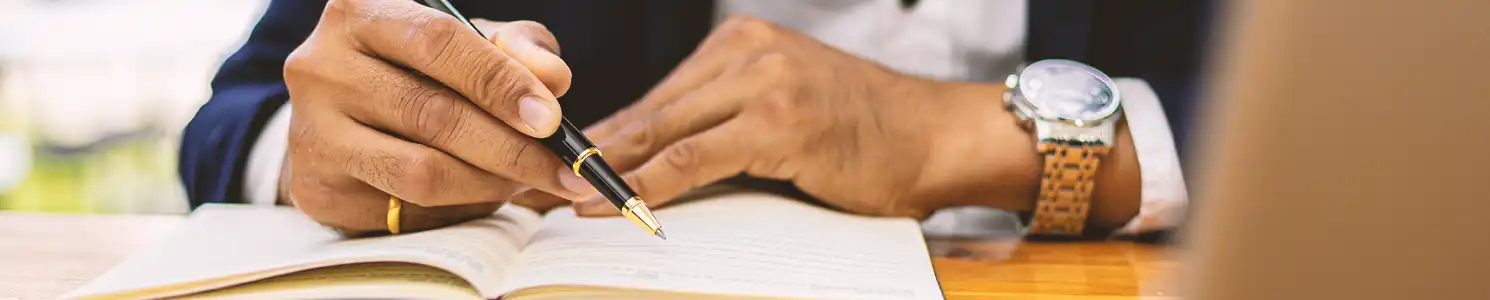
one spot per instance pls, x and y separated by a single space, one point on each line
1028 109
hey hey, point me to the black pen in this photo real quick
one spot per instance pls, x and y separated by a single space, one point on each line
572 146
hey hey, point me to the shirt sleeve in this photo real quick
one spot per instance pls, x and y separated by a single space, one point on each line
261 186
247 90
1164 196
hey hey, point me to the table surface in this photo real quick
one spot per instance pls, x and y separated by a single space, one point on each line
43 256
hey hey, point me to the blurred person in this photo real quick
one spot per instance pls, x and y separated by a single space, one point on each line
875 107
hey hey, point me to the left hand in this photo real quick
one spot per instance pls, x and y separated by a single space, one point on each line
771 103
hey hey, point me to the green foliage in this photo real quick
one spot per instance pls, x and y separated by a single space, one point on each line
127 176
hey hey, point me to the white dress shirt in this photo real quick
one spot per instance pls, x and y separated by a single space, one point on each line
977 40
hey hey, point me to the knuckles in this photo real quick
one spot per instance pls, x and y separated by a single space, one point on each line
433 38
298 63
520 157
643 135
747 30
342 7
353 15
301 65
427 36
682 157
781 108
417 175
429 112
500 87
782 99
773 66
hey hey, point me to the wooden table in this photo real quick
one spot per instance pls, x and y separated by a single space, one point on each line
43 256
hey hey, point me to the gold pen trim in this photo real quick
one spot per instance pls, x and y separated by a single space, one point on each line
581 160
637 212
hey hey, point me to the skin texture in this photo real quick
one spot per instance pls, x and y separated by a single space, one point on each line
768 102
1010 179
391 97
754 99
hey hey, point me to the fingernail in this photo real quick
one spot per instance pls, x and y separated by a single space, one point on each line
535 114
575 183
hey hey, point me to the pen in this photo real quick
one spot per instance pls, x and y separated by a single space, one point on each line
584 158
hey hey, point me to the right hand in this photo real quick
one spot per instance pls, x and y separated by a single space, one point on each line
390 97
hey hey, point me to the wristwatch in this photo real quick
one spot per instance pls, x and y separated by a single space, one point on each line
1073 110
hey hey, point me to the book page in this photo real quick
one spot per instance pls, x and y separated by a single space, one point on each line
749 244
385 280
225 245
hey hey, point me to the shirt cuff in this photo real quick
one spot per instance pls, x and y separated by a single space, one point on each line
261 181
1164 196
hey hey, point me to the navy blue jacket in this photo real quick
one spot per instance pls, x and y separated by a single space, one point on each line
606 42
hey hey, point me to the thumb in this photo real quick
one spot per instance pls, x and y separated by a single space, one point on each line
532 45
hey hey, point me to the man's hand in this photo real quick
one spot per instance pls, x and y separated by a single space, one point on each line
771 103
391 97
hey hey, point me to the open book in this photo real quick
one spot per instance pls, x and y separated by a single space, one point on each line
737 245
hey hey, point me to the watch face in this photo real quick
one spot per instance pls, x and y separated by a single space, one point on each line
1068 90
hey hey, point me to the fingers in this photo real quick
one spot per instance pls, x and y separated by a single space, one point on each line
344 171
413 172
415 218
437 44
357 209
531 44
715 154
427 113
694 112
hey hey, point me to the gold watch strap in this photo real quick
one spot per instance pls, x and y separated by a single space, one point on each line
1066 186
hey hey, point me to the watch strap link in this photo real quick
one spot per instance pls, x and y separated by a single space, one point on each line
1066 186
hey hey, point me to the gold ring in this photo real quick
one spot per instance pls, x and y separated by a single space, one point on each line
394 206
581 160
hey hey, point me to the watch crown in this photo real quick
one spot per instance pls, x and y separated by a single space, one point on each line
1014 107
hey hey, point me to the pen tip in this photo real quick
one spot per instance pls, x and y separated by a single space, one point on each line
661 235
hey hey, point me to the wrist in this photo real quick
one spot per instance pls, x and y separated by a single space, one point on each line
981 156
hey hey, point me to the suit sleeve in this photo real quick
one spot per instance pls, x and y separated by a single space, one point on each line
246 91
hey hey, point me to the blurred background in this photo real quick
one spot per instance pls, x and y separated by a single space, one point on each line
94 94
